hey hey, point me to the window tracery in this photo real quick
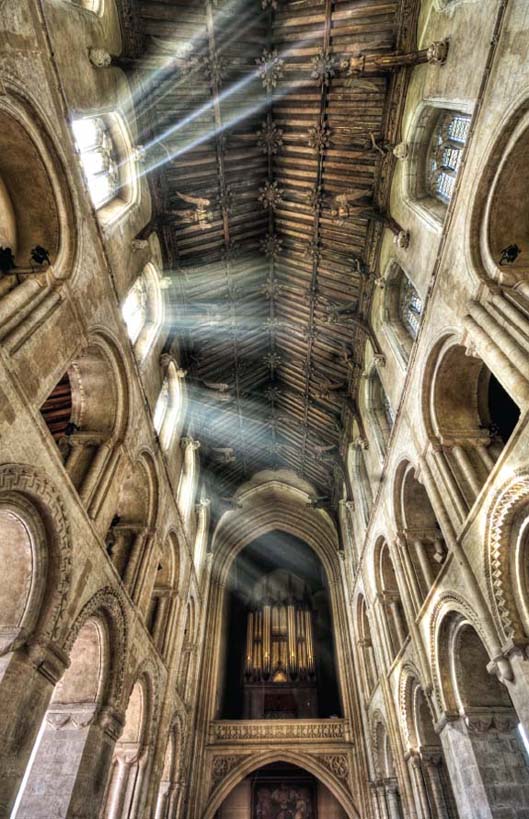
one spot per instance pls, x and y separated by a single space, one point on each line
142 311
444 156
99 158
410 306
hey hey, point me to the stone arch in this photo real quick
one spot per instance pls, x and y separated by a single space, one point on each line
271 504
455 605
36 208
409 679
499 190
34 496
338 786
381 747
504 552
107 605
418 527
387 585
469 415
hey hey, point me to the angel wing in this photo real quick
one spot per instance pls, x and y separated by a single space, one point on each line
198 201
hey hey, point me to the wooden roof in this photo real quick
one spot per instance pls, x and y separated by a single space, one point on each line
252 130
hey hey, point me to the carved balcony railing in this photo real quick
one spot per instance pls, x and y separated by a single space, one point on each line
274 731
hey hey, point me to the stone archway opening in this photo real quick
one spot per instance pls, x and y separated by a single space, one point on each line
280 790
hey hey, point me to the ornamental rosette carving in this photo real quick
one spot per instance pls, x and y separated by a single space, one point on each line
270 68
319 138
270 138
272 246
271 195
324 67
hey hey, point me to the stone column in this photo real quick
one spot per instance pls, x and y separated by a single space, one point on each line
419 789
27 679
467 469
452 489
162 803
424 561
432 763
380 798
392 799
486 764
119 794
498 361
71 766
397 620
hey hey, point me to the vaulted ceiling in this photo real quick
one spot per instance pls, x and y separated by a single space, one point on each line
270 173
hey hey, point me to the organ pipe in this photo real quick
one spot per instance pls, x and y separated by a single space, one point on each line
279 643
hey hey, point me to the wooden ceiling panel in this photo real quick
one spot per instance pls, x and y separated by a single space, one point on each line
268 203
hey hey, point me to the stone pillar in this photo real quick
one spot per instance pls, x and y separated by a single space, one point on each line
452 489
27 679
162 803
426 566
393 799
432 762
397 619
487 768
497 358
419 790
71 766
122 784
467 469
380 798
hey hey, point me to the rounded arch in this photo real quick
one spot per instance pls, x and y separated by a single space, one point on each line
37 502
108 608
110 349
506 552
37 208
381 747
496 221
450 606
252 762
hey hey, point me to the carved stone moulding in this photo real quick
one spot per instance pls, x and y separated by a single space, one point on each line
278 730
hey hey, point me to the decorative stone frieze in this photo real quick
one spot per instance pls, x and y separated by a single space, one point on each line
278 730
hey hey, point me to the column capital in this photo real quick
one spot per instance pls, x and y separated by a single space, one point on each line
49 659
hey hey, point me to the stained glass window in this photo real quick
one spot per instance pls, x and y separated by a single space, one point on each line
444 157
410 306
98 158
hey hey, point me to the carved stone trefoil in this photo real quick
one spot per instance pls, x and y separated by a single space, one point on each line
270 68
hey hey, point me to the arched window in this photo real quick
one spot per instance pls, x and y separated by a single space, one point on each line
142 311
380 410
99 158
449 137
107 161
410 306
168 406
401 313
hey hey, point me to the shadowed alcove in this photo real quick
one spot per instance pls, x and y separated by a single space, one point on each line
277 791
278 646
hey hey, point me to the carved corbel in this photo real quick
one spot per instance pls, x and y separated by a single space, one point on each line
99 57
